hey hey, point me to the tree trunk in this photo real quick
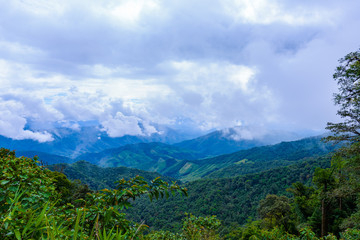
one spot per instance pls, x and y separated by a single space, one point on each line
323 218
340 203
324 213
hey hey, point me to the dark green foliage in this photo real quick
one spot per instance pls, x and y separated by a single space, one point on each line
99 178
328 207
232 200
193 228
304 201
275 211
20 174
200 228
35 203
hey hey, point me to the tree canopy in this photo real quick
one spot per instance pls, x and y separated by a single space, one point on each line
347 75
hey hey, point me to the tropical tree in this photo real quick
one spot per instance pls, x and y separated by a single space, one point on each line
347 75
275 211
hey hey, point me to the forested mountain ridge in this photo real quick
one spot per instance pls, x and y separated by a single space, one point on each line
232 200
251 160
98 178
235 139
145 156
91 138
188 165
282 154
46 158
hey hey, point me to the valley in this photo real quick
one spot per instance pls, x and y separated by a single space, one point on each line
229 186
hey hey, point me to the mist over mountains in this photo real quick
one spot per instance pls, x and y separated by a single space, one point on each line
72 143
222 153
237 138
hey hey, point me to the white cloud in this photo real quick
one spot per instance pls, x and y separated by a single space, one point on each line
213 94
120 125
130 12
13 121
238 133
268 12
70 124
210 63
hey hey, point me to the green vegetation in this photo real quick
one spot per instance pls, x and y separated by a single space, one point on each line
258 159
185 165
98 178
232 200
327 208
36 203
347 76
155 157
56 208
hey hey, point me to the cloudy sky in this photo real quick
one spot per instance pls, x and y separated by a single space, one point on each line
133 64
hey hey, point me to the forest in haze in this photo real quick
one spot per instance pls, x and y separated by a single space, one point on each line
303 189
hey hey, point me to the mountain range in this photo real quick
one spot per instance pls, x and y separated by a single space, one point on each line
202 157
234 139
98 178
73 142
187 165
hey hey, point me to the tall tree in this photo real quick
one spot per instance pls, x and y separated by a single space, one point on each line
324 179
346 160
347 75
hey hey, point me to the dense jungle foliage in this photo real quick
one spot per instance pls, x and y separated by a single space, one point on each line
37 203
232 200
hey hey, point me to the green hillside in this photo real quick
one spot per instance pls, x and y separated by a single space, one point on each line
98 177
155 157
232 200
251 160
187 165
46 158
